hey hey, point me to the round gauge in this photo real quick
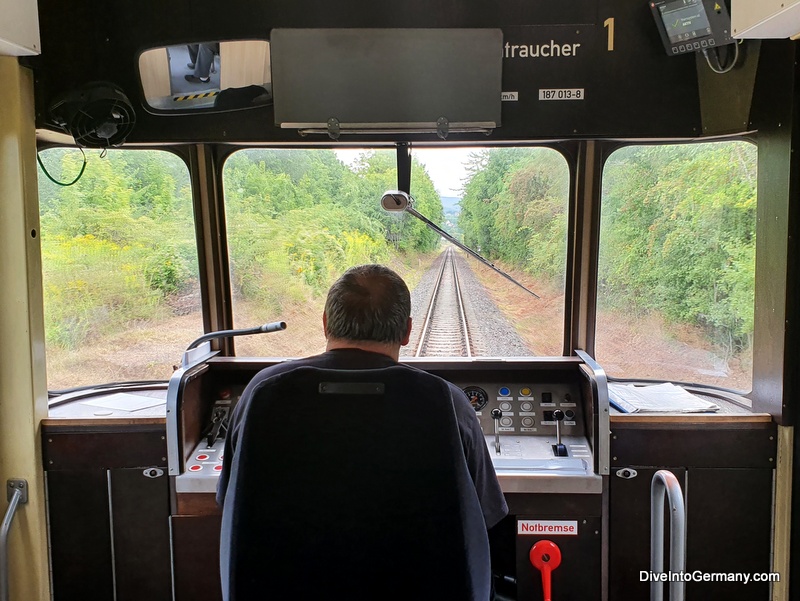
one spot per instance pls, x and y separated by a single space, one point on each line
477 396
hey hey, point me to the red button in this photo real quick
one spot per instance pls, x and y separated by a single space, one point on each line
217 468
202 457
195 468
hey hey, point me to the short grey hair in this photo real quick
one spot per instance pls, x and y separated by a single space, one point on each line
369 302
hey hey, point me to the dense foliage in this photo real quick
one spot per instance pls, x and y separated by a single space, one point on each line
297 219
677 229
119 246
678 236
116 244
515 209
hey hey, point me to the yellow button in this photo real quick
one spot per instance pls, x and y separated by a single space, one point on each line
525 392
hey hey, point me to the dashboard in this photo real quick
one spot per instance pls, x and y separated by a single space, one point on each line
541 419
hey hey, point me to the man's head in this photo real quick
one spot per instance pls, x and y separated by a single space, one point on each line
369 303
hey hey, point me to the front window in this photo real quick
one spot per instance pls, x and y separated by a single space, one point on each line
297 219
119 262
677 263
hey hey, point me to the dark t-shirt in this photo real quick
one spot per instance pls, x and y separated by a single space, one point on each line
476 453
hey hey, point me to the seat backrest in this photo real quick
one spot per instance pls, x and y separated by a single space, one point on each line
352 484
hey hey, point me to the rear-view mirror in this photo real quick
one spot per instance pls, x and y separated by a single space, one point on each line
210 76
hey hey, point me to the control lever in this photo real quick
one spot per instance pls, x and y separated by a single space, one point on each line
496 415
219 425
545 557
559 449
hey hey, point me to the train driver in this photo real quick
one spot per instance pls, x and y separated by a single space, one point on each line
367 318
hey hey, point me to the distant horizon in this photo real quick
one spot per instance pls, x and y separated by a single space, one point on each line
445 166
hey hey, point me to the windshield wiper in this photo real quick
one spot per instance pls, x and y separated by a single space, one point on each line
397 201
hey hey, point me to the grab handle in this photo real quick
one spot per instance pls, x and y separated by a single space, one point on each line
17 493
665 481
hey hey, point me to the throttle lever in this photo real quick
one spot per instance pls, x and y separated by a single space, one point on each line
560 449
545 556
496 415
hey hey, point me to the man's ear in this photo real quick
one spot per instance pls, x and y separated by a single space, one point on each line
407 337
325 324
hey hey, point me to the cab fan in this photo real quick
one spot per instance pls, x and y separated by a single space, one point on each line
98 115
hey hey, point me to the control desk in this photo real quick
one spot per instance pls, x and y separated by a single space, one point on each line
545 420
546 424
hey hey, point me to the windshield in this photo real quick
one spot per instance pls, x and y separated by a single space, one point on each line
120 267
297 219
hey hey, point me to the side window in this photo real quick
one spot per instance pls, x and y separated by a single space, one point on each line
119 262
677 263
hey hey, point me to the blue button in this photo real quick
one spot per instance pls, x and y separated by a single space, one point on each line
504 391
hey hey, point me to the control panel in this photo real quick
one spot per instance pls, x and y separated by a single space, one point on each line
542 421
536 433
525 408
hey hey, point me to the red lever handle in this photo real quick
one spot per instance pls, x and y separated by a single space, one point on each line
545 557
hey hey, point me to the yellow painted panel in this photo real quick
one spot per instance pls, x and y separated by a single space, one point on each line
23 381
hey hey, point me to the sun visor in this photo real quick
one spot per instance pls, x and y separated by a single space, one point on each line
337 81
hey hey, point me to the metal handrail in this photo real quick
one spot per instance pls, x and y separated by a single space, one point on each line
17 493
665 481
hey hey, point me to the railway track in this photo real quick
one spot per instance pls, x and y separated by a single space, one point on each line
445 332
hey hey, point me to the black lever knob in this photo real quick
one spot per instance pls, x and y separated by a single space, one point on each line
558 415
497 414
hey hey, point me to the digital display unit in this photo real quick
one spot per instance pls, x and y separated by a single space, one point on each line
692 25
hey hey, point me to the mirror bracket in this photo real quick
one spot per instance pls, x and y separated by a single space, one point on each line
334 131
442 127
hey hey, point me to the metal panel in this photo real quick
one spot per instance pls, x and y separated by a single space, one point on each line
195 556
694 446
578 575
386 78
765 18
19 28
636 72
629 533
729 524
80 535
99 448
140 523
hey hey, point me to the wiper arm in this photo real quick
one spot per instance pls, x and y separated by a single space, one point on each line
398 201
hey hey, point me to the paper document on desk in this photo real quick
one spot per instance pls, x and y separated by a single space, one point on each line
666 398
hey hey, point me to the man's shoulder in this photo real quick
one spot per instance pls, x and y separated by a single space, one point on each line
286 366
455 390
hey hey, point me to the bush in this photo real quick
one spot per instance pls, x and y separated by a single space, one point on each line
166 271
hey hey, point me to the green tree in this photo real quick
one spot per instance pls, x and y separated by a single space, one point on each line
678 236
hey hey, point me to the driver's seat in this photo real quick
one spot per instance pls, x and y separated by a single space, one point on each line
352 484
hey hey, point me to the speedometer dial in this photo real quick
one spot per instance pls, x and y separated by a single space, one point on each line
477 397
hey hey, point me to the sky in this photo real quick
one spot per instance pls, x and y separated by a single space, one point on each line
445 166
